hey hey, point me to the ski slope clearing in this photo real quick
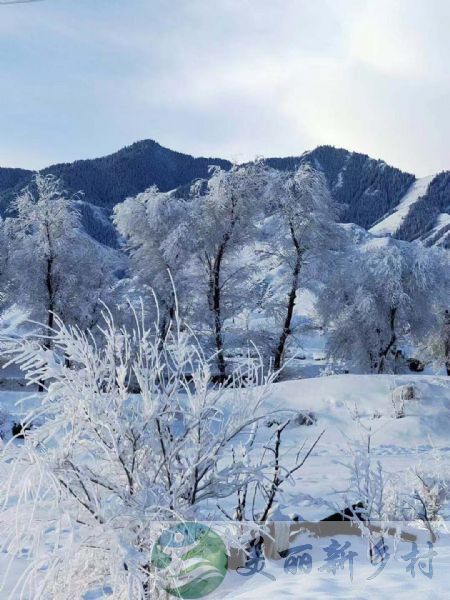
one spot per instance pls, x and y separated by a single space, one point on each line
390 224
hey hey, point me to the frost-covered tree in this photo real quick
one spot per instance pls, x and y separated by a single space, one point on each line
4 256
103 469
303 231
437 343
382 291
54 266
446 339
224 218
154 226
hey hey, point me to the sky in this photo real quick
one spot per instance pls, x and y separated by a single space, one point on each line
229 78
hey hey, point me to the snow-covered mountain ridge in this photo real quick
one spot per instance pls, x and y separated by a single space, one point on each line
372 194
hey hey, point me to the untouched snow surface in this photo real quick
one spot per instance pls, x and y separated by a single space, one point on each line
390 224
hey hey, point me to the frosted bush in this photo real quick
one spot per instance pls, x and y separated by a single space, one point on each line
103 466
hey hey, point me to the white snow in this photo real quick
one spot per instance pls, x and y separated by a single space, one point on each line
390 224
417 440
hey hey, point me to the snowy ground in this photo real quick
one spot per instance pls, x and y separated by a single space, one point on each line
340 403
346 407
419 440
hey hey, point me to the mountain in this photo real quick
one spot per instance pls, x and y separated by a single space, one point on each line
109 180
366 188
429 218
374 195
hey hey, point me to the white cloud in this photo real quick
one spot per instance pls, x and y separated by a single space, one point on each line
235 78
406 39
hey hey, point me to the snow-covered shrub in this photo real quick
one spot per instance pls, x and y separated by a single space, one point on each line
13 322
401 395
405 393
103 466
304 418
327 371
298 418
427 492
372 489
390 500
372 486
431 493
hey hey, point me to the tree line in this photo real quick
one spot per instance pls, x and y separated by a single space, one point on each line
232 257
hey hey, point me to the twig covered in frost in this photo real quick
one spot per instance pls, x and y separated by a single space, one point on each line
91 483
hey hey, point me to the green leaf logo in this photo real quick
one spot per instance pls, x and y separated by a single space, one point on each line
192 558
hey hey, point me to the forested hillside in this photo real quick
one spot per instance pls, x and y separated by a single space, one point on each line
424 214
367 190
107 181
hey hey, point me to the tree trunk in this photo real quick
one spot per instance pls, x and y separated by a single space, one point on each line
279 352
215 292
167 320
391 345
216 306
447 341
50 309
51 300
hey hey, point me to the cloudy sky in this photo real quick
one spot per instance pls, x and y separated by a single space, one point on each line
229 78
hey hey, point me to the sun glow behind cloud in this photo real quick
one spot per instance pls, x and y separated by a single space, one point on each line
230 78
